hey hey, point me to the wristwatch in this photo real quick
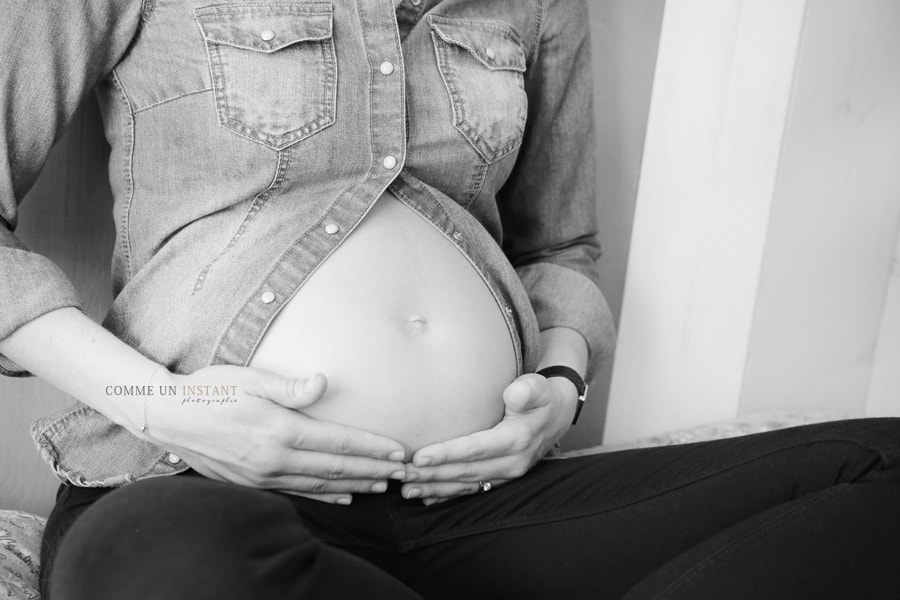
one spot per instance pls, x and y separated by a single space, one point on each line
573 376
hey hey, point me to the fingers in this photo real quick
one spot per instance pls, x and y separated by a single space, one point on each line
526 393
322 436
443 489
432 493
342 499
326 466
506 452
290 393
312 486
272 445
443 482
506 467
326 488
504 439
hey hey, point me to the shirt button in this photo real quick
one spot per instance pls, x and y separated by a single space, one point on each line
490 53
173 458
267 35
387 68
389 162
267 297
331 229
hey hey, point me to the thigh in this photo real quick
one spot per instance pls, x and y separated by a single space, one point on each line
187 536
843 542
595 526
71 501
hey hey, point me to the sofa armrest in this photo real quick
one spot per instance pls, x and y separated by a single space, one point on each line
20 551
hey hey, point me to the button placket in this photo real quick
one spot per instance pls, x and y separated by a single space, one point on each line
388 135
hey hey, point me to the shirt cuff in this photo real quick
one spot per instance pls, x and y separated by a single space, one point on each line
562 297
30 286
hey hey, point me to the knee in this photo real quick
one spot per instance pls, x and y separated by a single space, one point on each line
176 537
860 449
879 437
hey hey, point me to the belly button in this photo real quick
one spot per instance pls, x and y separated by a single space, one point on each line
417 326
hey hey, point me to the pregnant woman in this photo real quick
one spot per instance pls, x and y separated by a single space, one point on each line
355 308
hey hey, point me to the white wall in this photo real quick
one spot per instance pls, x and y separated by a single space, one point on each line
884 386
767 216
835 216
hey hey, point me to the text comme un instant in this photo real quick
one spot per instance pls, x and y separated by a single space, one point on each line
171 390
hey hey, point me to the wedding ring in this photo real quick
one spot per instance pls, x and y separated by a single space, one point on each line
485 486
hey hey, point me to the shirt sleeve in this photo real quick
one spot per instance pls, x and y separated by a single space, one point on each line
548 206
52 54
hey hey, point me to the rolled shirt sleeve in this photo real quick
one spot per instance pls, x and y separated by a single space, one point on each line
548 207
53 54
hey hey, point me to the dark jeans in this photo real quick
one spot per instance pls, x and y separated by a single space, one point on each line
808 512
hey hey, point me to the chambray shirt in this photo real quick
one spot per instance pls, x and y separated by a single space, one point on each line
249 138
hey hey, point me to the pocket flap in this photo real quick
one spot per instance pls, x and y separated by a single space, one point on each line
493 44
265 28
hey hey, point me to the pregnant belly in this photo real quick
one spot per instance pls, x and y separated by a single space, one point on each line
413 343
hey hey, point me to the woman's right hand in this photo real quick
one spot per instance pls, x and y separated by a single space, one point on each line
256 435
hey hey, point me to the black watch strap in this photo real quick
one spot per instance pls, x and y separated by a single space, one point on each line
573 376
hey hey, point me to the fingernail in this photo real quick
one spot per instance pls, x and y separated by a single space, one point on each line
379 487
397 455
410 477
310 384
344 501
429 502
423 462
413 493
398 475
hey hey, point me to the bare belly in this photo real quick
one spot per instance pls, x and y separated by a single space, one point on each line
413 344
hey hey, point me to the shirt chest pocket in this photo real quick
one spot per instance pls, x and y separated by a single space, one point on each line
273 68
482 65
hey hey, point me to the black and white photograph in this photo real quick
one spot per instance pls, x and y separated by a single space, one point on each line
450 299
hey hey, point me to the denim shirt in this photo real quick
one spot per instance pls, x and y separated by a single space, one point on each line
248 139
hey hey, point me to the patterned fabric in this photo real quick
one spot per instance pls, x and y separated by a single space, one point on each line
20 544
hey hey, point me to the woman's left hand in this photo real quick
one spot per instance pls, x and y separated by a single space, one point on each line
537 413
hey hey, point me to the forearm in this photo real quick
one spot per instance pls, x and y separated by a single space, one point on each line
566 347
73 353
563 346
